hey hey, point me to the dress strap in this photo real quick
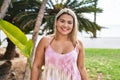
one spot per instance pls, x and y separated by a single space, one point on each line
51 40
76 47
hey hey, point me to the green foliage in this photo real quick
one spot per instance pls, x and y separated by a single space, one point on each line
1 1
17 37
26 21
23 14
104 62
79 7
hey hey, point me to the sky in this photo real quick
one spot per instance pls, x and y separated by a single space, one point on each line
110 14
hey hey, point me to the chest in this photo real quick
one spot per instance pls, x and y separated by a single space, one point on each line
62 47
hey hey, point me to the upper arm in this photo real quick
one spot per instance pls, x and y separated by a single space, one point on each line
40 52
80 60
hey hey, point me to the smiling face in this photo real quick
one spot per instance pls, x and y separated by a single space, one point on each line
64 24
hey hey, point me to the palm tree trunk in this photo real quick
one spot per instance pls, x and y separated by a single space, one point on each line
95 5
10 51
37 25
4 7
34 37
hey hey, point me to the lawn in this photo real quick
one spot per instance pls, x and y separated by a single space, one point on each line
103 63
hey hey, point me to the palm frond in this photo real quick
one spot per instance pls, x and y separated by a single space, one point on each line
87 25
29 26
67 3
88 9
72 4
22 19
24 14
51 4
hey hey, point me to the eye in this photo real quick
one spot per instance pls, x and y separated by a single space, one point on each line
61 20
70 22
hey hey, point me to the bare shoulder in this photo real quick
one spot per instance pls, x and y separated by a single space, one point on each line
44 41
80 44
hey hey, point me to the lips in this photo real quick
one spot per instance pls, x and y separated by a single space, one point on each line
64 29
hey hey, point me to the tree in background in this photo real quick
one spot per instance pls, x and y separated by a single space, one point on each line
38 22
35 35
24 12
79 7
21 7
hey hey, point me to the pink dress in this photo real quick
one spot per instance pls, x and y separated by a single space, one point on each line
60 66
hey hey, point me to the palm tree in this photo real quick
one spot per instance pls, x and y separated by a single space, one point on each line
84 6
35 34
24 13
26 20
28 9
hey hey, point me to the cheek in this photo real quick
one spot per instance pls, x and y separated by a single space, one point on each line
58 24
71 27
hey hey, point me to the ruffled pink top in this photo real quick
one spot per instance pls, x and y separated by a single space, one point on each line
60 66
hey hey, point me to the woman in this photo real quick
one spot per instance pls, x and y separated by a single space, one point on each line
62 52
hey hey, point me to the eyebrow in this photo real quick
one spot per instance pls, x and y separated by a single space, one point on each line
64 20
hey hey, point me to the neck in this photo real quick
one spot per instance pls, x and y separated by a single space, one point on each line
61 37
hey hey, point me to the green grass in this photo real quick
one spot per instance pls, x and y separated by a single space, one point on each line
103 61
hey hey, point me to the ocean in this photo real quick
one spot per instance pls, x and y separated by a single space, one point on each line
108 31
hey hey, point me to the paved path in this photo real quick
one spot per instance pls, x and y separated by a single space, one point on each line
105 42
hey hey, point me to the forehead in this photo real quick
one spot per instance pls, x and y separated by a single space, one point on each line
66 17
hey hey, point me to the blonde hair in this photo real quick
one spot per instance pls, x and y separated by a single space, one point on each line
73 34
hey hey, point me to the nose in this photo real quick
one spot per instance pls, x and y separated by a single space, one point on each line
65 25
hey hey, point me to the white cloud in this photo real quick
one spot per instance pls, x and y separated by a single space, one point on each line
111 13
